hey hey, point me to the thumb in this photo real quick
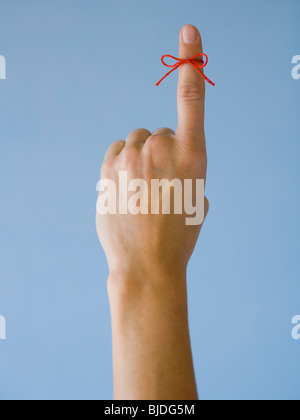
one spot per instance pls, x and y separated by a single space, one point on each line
191 89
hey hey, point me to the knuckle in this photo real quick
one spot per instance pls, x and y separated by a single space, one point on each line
119 143
139 132
191 92
116 147
164 131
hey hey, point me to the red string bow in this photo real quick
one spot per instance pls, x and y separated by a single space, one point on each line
193 61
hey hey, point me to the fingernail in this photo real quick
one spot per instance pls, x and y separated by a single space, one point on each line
189 35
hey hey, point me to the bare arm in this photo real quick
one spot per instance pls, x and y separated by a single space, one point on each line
152 354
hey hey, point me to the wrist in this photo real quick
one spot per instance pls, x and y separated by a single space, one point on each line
134 289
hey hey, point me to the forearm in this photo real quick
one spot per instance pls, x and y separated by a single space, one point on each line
151 343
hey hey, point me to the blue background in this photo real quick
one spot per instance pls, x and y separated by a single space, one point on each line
81 75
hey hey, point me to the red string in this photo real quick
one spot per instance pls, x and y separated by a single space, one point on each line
196 63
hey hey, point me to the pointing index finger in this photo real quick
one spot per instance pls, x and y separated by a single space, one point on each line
191 89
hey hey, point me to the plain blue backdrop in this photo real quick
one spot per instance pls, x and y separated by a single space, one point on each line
81 75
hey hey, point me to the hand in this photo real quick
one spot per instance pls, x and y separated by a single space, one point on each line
136 244
148 254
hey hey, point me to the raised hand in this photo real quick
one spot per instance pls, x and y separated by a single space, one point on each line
148 253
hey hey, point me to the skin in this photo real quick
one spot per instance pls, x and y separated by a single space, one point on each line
148 254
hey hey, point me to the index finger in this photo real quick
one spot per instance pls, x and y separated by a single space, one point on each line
191 89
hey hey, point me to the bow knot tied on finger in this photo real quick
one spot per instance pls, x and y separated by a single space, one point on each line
194 61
